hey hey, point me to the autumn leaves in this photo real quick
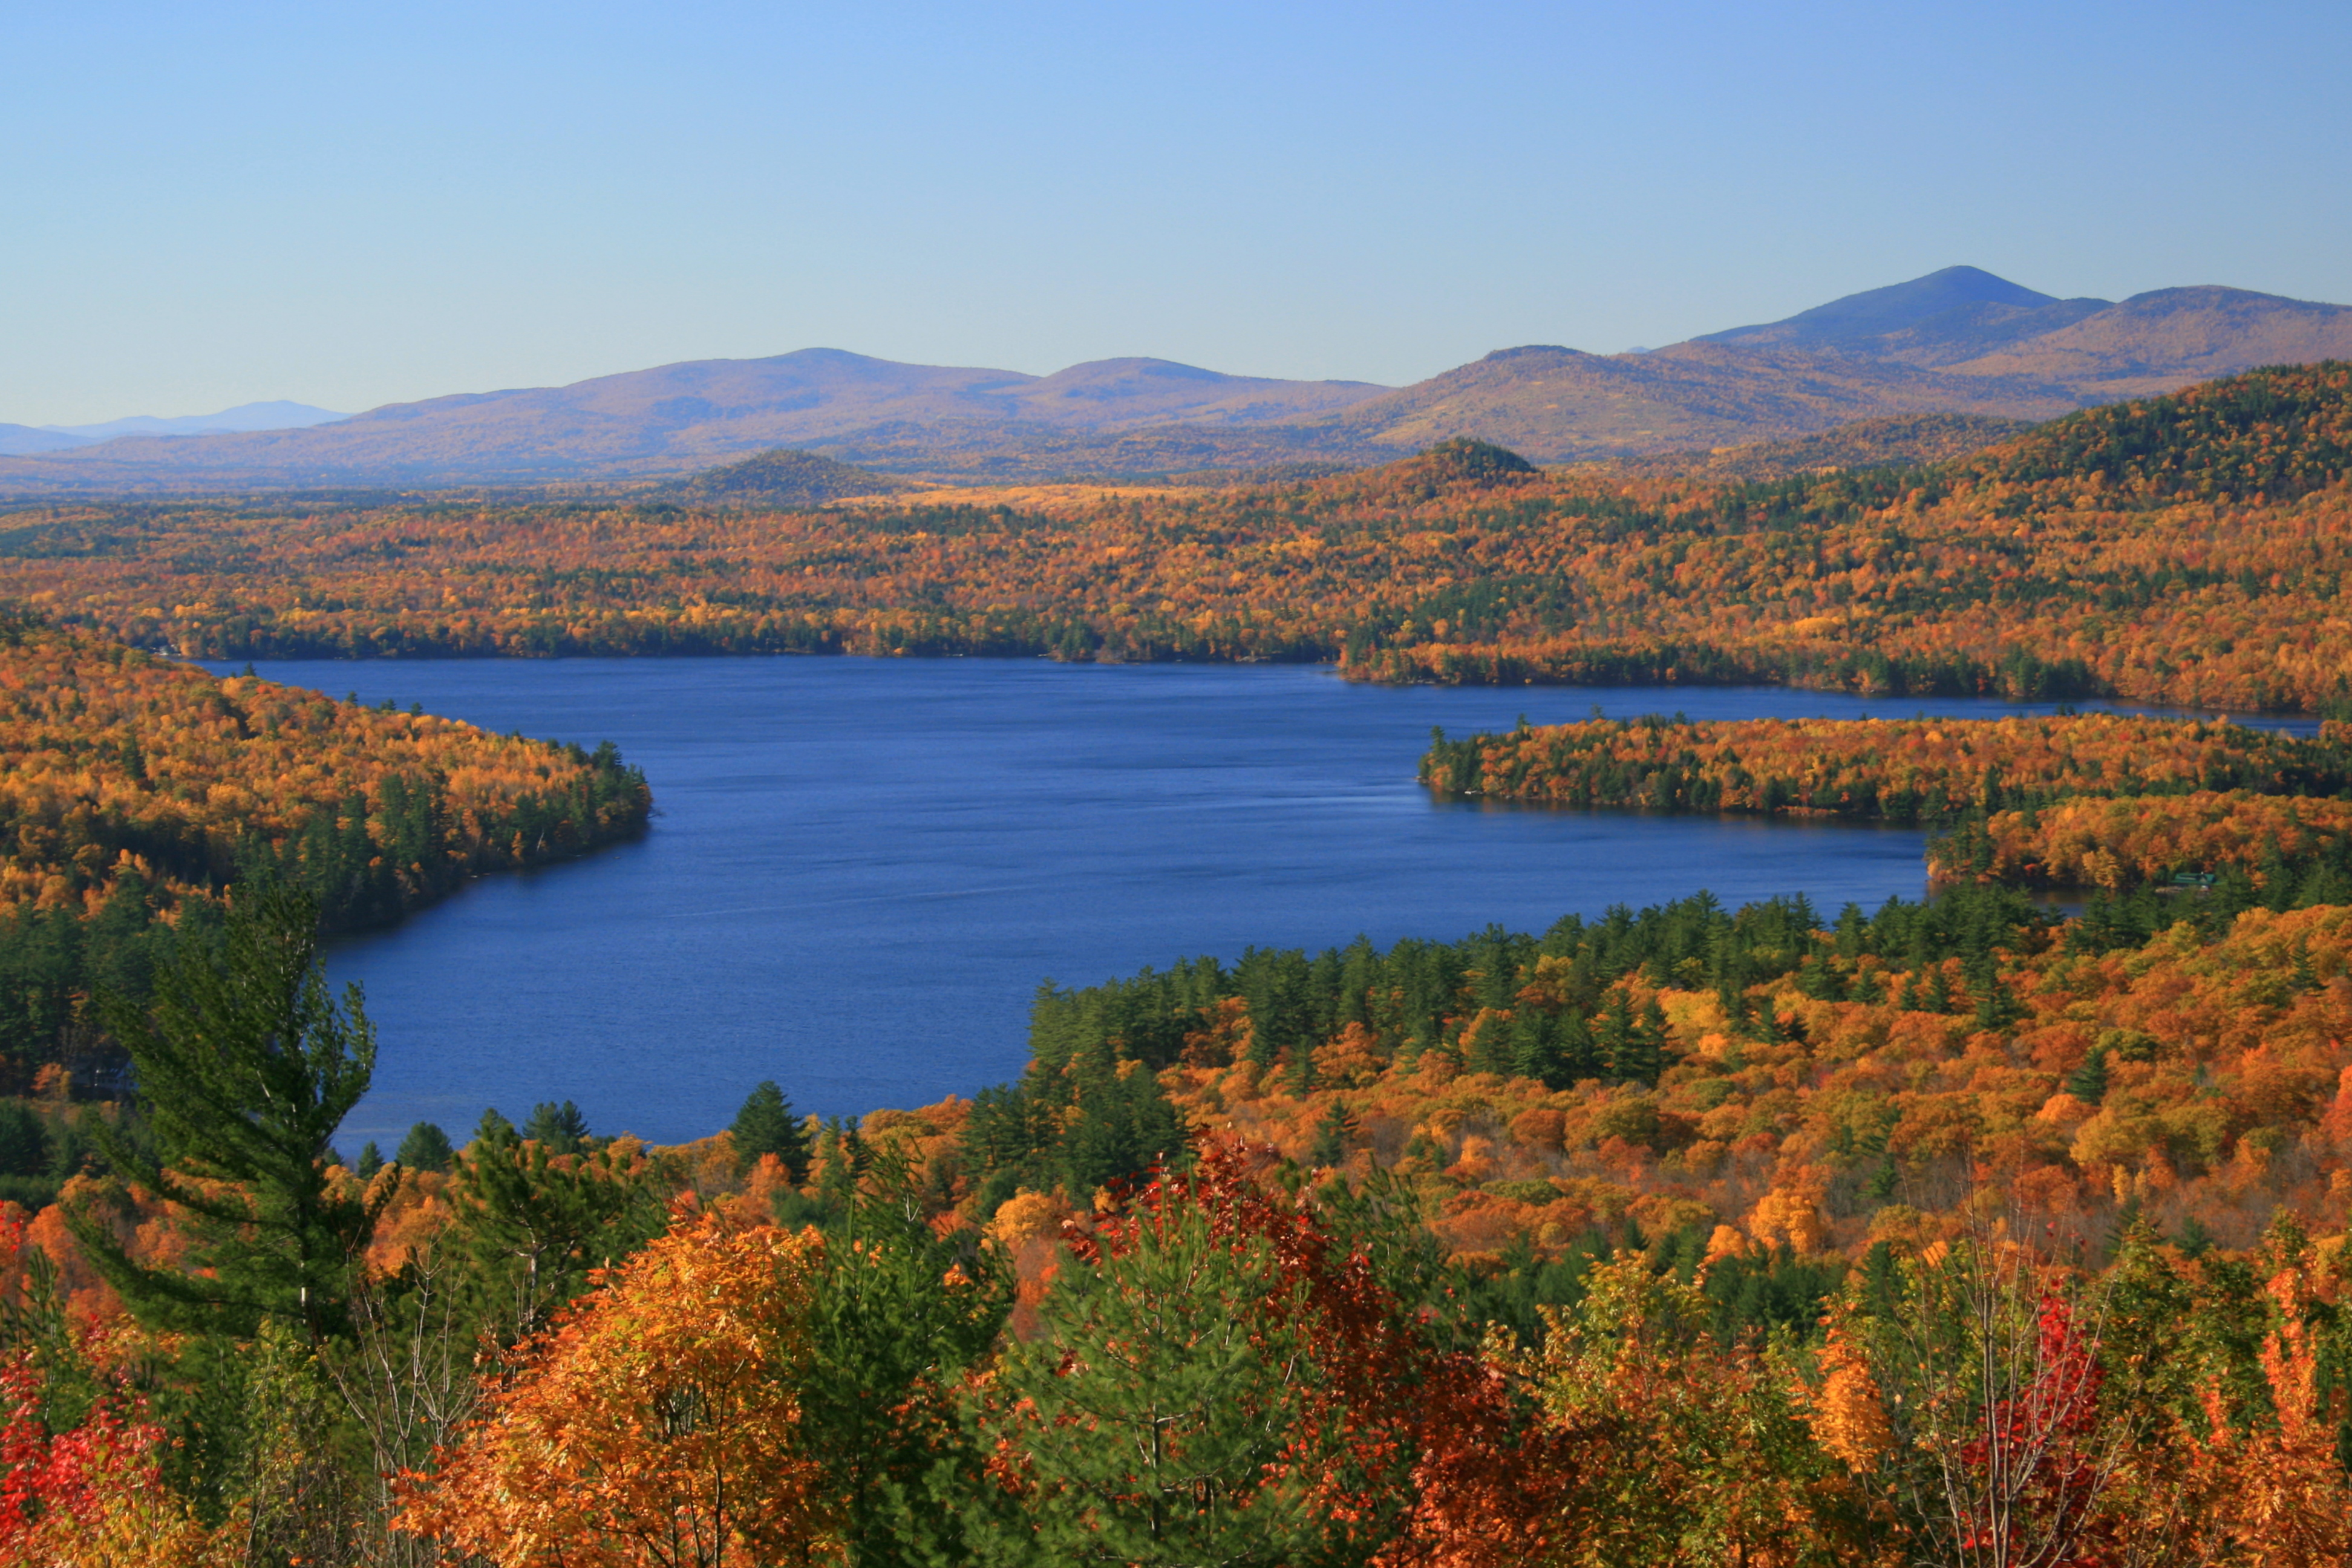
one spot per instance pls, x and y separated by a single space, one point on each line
2183 550
115 764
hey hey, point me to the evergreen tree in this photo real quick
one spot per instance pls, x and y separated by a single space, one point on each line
1939 991
1188 1403
1883 1183
1576 1056
246 1065
1332 1136
24 1140
2088 1083
845 1158
766 1125
1124 1126
427 1148
529 1230
899 1314
560 1127
1613 1035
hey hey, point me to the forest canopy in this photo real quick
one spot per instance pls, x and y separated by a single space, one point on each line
2185 550
1964 1231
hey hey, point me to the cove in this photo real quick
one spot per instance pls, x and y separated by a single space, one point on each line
860 869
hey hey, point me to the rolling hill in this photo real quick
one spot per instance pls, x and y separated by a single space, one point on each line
2187 550
782 478
1900 440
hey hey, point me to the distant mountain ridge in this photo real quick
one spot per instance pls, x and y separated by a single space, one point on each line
1959 342
683 417
1970 323
279 414
23 440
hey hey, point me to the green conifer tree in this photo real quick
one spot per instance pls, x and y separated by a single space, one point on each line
1333 1136
2088 1083
246 1065
560 1127
427 1148
766 1125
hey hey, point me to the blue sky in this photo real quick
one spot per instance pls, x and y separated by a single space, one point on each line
352 205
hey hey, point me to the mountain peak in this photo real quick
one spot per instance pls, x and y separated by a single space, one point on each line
1948 316
1876 312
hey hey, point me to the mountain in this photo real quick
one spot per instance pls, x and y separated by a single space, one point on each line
1973 323
1557 405
277 415
681 417
2158 342
1958 342
1941 319
23 440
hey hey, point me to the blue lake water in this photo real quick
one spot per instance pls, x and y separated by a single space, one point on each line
861 869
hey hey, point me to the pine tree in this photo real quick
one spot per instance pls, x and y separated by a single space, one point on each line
1578 1057
1939 991
560 1127
24 1140
246 1066
529 1229
1883 1183
1214 1385
899 1314
1613 1035
1535 1052
766 1125
1332 1135
427 1148
2088 1083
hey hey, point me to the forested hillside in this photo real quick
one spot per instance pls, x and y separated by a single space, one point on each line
135 792
2107 801
2185 550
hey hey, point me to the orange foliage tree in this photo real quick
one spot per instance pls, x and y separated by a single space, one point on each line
655 1425
1900 769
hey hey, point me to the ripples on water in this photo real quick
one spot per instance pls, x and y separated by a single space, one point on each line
861 869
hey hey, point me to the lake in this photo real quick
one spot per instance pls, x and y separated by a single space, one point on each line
861 869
